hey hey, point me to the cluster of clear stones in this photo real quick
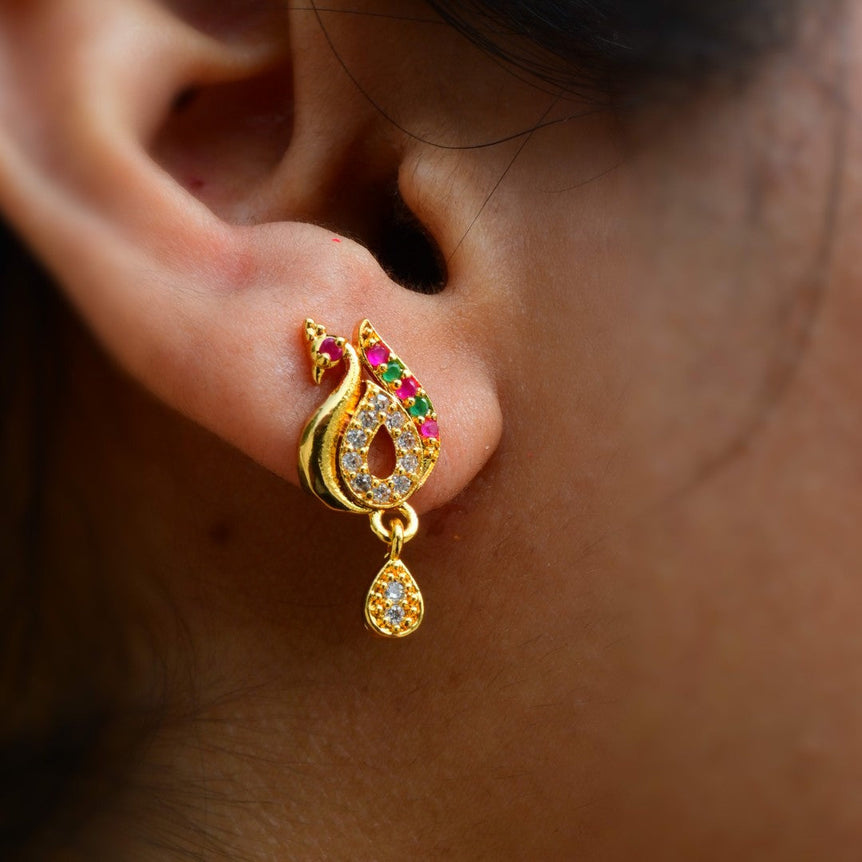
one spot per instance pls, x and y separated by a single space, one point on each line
375 410
394 604
394 592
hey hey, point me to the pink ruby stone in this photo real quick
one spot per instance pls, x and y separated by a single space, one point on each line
377 354
429 429
329 347
408 388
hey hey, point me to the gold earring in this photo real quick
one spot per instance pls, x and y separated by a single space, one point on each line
333 458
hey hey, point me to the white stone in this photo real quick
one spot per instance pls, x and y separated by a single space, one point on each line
394 591
395 421
408 463
356 437
394 615
401 485
362 483
351 461
406 440
381 494
368 419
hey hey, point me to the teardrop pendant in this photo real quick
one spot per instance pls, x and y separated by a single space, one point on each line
394 606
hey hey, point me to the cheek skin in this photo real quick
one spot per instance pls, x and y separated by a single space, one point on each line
668 451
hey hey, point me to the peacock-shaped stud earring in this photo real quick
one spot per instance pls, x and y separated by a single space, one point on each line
333 458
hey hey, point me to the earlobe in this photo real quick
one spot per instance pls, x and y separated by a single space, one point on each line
204 311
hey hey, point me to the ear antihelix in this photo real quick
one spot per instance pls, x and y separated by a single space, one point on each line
222 141
334 465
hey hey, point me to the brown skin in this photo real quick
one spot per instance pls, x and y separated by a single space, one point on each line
642 607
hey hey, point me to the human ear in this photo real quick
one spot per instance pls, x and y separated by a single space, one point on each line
165 163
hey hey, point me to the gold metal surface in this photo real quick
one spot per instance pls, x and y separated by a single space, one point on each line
334 457
408 611
405 515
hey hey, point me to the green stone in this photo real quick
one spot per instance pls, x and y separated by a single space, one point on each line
421 406
394 371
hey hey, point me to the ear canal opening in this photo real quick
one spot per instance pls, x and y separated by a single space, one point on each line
224 143
406 250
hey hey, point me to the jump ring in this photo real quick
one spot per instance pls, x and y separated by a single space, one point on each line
404 514
397 542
